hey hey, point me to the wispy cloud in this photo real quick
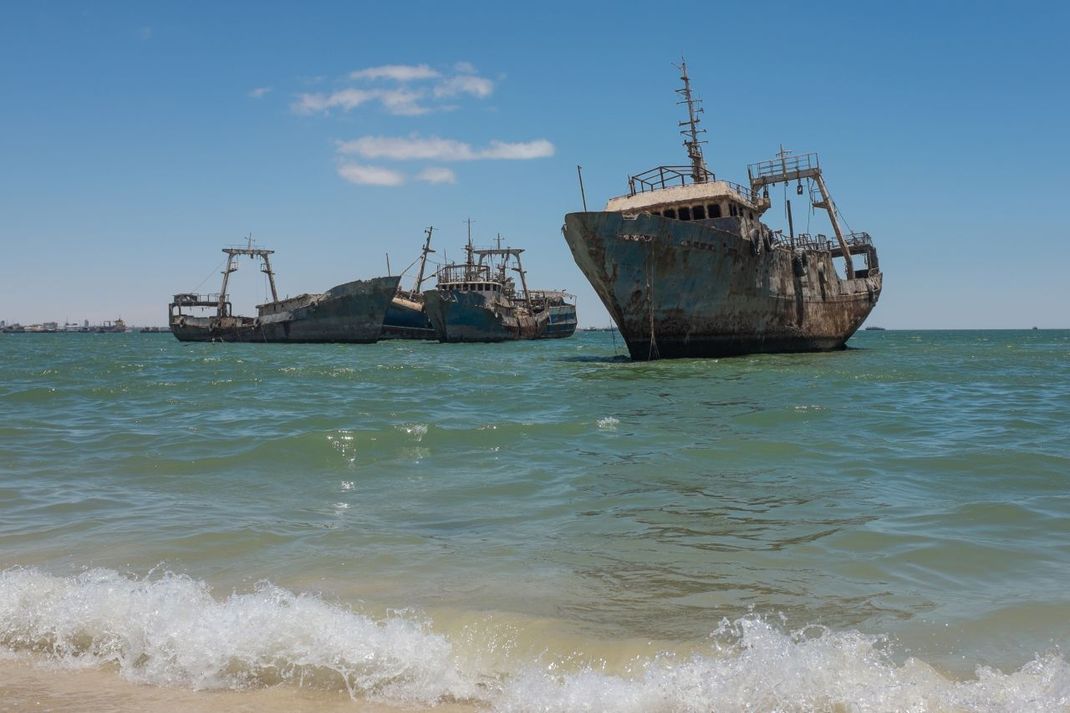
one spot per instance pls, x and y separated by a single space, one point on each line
259 92
401 102
396 72
480 87
416 89
320 102
437 174
436 149
370 175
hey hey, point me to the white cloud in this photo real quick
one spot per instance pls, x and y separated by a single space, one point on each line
418 89
521 150
436 149
401 102
437 174
259 92
465 84
405 149
345 99
397 72
370 175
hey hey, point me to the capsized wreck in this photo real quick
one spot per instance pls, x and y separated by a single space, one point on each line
477 301
687 268
405 316
350 312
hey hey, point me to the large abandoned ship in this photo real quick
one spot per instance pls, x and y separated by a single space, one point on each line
477 301
350 312
405 316
686 267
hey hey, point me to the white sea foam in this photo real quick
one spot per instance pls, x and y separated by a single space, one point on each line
170 630
608 423
416 430
760 668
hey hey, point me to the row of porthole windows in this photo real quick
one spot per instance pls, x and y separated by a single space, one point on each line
701 212
476 287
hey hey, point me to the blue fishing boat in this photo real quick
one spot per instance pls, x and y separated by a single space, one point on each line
478 301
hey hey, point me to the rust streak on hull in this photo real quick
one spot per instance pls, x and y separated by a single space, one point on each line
701 289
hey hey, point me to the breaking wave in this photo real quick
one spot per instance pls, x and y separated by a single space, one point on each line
170 630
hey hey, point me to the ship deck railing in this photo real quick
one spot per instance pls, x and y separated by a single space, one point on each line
464 273
671 176
549 295
782 169
823 243
190 299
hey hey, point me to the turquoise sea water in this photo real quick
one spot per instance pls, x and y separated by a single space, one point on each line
546 526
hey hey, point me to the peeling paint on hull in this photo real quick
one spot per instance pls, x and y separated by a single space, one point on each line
406 319
692 289
471 317
352 312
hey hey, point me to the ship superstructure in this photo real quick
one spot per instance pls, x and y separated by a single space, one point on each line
478 301
687 268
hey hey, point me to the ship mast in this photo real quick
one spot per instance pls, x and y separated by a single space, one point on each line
468 264
423 258
232 266
699 172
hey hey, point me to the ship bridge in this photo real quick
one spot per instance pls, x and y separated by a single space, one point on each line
672 191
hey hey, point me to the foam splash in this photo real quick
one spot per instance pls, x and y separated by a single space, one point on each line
170 630
608 423
757 667
416 430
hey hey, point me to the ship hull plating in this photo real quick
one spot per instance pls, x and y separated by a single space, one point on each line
690 289
352 312
406 319
460 316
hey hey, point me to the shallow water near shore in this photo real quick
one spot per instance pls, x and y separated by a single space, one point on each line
535 526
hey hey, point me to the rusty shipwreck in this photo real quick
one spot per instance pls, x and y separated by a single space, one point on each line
405 315
350 312
687 268
478 301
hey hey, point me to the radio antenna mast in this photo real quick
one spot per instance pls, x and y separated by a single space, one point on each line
699 172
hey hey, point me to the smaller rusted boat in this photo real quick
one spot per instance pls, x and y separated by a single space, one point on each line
477 301
405 316
350 312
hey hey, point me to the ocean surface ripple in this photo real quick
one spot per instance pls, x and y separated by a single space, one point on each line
546 526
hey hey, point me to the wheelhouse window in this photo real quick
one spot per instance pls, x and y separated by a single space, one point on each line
684 212
669 213
698 212
715 210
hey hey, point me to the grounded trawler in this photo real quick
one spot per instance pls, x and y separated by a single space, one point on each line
351 312
477 302
687 269
405 316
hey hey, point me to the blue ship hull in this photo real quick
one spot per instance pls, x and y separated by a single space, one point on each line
461 316
407 320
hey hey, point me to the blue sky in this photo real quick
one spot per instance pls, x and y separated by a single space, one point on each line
137 139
